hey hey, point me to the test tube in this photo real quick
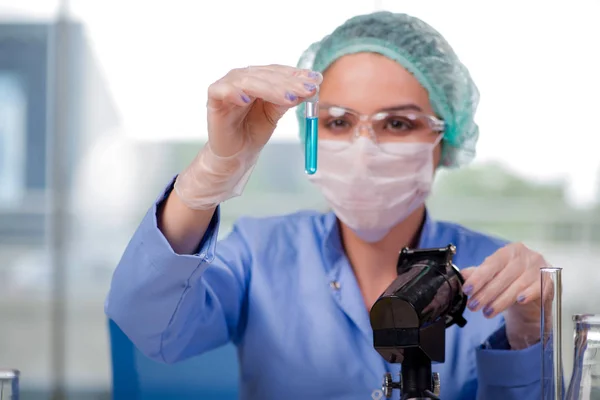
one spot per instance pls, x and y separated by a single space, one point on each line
311 115
551 329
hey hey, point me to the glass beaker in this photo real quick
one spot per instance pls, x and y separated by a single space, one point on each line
9 384
585 380
551 325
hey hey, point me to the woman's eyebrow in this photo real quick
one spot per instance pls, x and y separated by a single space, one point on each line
399 107
402 107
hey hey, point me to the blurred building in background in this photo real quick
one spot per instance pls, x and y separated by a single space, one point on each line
23 91
25 118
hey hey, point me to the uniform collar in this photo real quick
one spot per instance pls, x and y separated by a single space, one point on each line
333 249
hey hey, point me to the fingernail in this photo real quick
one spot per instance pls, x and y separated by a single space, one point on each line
468 290
291 96
487 311
521 298
313 74
473 304
245 98
310 86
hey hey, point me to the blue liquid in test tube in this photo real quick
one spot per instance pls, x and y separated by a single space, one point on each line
311 135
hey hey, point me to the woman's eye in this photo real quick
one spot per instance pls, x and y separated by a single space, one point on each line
399 124
337 124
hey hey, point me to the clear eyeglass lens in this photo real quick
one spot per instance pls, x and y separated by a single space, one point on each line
337 123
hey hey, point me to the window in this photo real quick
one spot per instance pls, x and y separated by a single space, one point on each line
13 112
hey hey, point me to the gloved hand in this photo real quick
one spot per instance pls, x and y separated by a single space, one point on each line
509 282
243 110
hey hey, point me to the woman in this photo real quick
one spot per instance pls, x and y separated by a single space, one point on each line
293 292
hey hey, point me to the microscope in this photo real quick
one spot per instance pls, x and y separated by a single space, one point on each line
410 318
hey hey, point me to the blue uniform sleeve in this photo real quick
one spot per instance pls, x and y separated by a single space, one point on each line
508 374
174 306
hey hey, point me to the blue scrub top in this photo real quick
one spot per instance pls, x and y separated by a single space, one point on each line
282 290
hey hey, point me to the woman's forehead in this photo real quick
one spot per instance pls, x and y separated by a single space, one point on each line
368 83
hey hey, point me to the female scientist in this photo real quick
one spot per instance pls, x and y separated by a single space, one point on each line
293 292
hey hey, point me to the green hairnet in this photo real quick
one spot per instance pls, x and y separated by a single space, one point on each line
423 52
